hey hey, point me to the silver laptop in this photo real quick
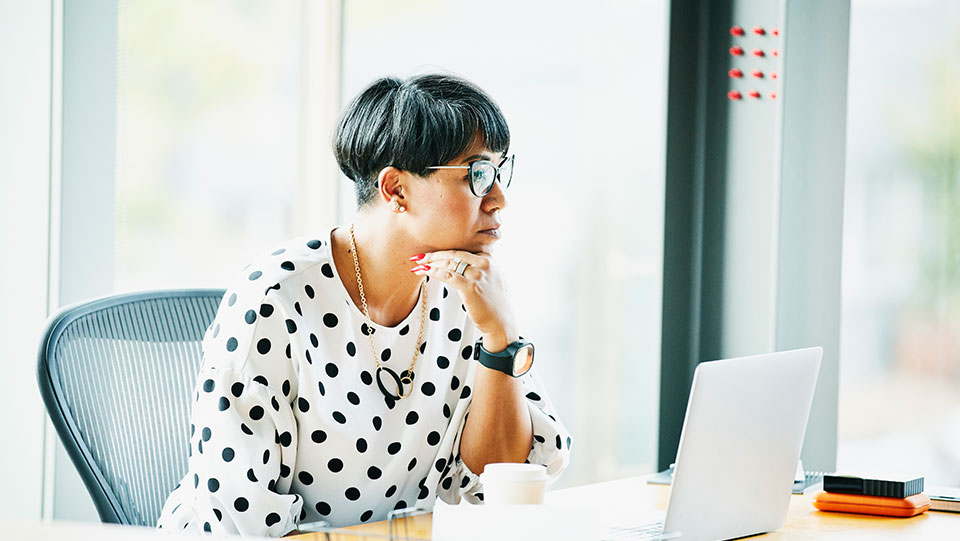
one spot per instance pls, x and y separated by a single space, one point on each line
739 448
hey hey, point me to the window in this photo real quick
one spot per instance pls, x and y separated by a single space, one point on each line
900 345
207 139
582 86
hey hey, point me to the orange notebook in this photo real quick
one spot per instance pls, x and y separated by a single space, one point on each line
872 505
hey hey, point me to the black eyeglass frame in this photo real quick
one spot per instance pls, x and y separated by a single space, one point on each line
471 168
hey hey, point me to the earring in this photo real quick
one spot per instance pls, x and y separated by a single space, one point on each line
397 208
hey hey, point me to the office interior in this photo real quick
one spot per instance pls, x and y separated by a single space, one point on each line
675 211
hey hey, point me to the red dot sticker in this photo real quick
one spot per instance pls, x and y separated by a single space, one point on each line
773 75
775 52
735 73
758 74
754 94
773 95
736 50
775 31
758 30
734 95
736 31
759 52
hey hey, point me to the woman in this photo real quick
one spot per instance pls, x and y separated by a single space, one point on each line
340 377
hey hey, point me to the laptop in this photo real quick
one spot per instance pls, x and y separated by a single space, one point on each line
739 448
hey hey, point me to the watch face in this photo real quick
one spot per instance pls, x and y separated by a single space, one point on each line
523 360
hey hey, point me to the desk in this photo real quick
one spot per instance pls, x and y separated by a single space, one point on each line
803 521
14 529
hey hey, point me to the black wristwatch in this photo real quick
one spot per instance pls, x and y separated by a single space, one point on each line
515 361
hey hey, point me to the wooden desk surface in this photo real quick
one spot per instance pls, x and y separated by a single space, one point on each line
803 520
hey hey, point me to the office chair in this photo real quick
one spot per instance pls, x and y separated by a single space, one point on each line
117 375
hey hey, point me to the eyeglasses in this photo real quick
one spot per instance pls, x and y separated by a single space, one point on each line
482 174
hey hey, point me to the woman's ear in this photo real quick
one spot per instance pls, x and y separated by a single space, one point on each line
390 187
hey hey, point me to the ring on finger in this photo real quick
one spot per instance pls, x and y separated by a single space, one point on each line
461 266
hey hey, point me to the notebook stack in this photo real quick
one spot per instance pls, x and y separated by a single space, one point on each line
894 497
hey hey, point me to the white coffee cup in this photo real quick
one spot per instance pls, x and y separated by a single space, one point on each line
510 483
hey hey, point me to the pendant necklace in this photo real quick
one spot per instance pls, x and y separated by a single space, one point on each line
404 380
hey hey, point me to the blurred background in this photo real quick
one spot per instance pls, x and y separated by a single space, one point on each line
219 113
210 111
900 342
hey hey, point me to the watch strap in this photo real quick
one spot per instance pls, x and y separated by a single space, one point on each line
501 361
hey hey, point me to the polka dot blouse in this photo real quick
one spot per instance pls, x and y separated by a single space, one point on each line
288 424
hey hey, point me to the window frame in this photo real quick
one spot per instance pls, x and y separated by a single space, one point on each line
704 251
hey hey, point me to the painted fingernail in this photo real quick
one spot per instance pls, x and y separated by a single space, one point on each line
418 257
420 268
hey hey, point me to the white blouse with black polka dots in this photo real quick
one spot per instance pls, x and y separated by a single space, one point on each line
288 423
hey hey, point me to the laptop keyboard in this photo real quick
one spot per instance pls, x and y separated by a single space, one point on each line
652 530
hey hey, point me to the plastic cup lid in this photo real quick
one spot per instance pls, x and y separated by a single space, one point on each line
511 472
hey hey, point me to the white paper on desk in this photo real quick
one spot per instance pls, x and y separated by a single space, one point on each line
511 523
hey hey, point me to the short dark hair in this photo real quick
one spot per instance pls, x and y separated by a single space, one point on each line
414 124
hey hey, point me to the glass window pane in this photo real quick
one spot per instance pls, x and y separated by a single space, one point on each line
899 396
582 87
207 139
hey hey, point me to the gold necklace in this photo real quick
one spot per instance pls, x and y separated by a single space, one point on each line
405 378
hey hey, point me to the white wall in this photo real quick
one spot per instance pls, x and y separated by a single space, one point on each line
26 59
52 254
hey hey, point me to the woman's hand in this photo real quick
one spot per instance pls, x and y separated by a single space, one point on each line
499 428
482 289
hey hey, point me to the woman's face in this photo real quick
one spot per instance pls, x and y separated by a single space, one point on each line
447 214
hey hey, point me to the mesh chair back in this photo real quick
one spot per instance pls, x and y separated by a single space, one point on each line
117 377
